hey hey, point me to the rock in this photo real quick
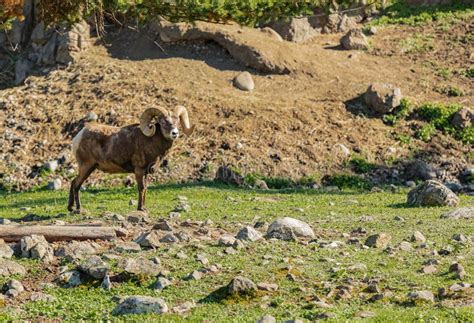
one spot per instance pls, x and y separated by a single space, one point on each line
432 193
272 33
92 116
267 287
106 284
267 319
127 246
461 213
337 23
138 217
421 296
182 207
456 187
36 247
405 246
55 184
52 165
380 240
372 30
41 297
294 29
459 237
13 288
202 259
459 287
141 305
5 250
345 151
139 267
241 286
195 275
382 98
161 283
365 314
169 238
261 184
288 228
22 69
244 82
458 269
229 176
4 221
419 170
358 267
149 239
77 250
183 308
95 267
418 237
463 118
354 39
248 233
70 278
226 241
429 269
163 225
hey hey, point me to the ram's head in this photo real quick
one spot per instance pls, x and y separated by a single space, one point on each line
168 122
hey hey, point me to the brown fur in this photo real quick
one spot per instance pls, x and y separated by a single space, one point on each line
117 150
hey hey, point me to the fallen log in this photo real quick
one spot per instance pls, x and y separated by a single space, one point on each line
13 233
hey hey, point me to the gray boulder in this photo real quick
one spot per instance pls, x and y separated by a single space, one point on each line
354 39
242 286
248 233
36 247
149 239
141 305
95 267
8 268
432 193
463 118
5 250
294 29
382 98
139 267
288 228
419 170
76 250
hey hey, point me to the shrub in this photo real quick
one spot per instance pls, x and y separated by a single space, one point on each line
347 181
399 113
360 165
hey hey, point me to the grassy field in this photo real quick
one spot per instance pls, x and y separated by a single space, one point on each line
317 270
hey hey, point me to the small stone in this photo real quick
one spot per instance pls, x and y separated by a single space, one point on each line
13 288
230 251
70 278
41 297
248 233
138 217
127 246
202 259
226 241
244 81
183 308
106 284
354 39
169 238
399 218
382 98
267 287
429 269
459 238
418 237
461 213
161 283
141 305
181 255
405 246
422 296
54 185
36 247
457 287
242 286
52 165
163 225
139 266
380 240
195 275
458 269
358 267
372 30
365 314
149 239
267 319
5 250
92 116
182 207
95 267
431 262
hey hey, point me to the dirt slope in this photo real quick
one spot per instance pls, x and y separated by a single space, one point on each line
290 125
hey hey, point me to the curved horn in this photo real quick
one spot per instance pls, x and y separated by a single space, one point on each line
146 125
181 113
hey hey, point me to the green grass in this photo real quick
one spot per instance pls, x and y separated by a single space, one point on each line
400 13
330 215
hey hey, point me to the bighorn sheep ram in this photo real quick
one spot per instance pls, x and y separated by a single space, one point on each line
131 149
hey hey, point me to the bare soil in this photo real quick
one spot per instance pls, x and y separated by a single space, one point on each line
290 125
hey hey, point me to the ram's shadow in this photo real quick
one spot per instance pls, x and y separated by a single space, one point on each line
143 45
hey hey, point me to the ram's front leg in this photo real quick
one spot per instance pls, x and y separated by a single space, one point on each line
140 176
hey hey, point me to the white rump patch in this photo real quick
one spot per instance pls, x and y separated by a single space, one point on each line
76 141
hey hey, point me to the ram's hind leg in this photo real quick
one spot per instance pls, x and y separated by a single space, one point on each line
85 171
